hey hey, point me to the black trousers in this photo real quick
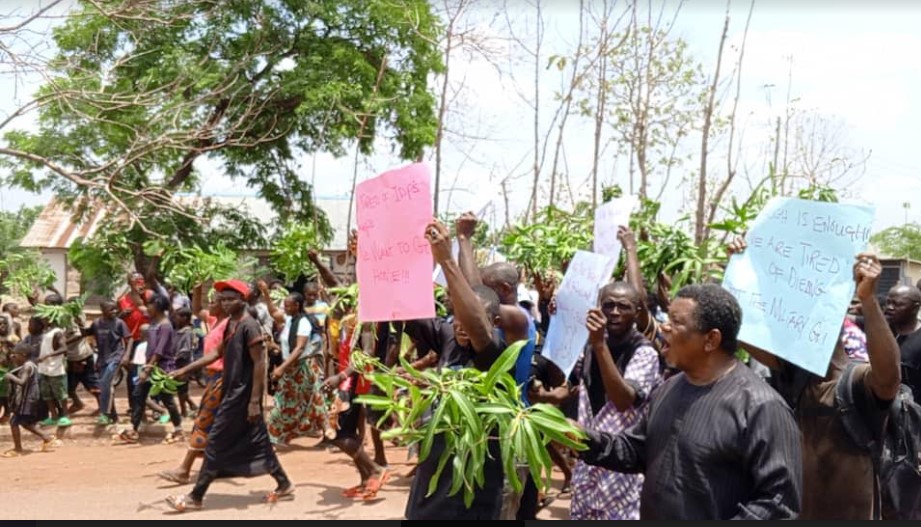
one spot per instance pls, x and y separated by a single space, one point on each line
141 391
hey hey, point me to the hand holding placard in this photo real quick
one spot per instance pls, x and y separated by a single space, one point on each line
795 279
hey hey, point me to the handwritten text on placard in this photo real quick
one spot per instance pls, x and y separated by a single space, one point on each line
394 258
795 280
578 293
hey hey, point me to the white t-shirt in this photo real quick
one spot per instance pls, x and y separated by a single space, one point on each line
53 367
303 330
140 354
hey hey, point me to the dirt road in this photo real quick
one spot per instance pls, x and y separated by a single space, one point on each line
89 478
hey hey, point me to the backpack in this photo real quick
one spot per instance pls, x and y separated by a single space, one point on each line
896 452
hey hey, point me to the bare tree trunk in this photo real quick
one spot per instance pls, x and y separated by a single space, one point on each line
601 102
730 168
700 215
442 107
361 131
567 104
537 66
508 221
786 133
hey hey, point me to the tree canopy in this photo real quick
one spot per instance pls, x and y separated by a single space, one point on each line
139 91
900 242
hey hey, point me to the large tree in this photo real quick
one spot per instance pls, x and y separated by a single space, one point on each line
140 91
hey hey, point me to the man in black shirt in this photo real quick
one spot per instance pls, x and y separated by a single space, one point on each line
901 312
476 314
717 443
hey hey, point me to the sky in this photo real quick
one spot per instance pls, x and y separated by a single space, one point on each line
853 62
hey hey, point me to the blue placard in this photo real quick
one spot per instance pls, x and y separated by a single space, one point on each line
795 280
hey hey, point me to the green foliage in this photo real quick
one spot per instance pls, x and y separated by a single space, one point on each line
289 252
249 83
612 192
550 243
62 316
23 271
346 299
900 242
470 408
14 226
136 96
187 267
102 260
817 192
160 382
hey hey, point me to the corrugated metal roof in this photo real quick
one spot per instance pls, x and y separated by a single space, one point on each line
54 228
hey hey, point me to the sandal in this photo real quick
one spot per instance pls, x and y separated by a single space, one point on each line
183 503
12 453
276 495
173 438
354 492
375 485
126 436
51 444
172 477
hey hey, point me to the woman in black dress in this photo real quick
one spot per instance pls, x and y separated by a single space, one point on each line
238 443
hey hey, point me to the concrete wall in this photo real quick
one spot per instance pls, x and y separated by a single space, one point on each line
57 259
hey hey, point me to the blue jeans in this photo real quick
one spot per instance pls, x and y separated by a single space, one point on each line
106 390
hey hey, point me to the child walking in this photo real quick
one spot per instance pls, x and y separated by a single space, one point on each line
186 344
26 402
8 340
52 372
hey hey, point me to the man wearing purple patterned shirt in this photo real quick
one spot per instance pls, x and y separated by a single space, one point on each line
619 370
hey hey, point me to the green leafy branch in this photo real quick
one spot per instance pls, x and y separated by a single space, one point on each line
24 271
469 408
64 315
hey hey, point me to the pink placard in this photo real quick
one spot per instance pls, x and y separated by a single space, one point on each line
394 258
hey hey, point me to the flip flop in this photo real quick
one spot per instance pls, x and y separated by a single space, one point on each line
51 444
11 454
375 485
173 438
125 437
182 503
173 478
354 492
276 495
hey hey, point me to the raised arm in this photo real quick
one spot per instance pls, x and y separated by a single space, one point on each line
467 307
325 273
885 375
465 226
277 314
198 298
634 275
621 393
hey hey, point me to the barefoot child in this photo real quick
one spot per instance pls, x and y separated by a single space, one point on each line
26 402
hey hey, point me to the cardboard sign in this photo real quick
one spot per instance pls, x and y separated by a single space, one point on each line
586 275
795 280
394 258
608 218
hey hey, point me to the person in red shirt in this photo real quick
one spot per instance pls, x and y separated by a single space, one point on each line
132 307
